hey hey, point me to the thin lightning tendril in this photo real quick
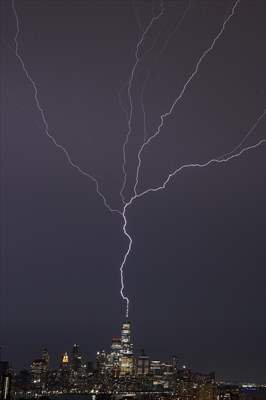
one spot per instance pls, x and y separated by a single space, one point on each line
137 17
197 165
178 24
220 160
179 97
129 89
122 106
148 71
143 106
251 130
44 120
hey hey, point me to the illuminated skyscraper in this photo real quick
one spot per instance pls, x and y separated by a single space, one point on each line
143 364
126 358
115 354
65 361
116 345
126 345
112 362
39 369
101 361
65 370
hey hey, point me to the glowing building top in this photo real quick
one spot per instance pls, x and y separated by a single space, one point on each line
65 359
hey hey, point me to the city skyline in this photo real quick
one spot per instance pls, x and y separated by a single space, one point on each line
117 373
185 251
120 359
118 355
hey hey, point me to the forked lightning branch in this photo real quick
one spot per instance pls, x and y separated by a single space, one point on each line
233 153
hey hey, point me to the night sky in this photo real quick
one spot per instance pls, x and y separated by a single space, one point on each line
196 274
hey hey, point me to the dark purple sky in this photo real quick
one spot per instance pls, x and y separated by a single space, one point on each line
196 275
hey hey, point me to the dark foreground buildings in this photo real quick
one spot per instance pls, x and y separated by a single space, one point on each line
117 374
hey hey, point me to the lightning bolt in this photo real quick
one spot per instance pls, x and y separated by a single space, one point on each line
234 153
178 24
129 90
143 106
179 97
148 72
130 114
130 241
225 158
251 130
44 119
220 160
197 165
